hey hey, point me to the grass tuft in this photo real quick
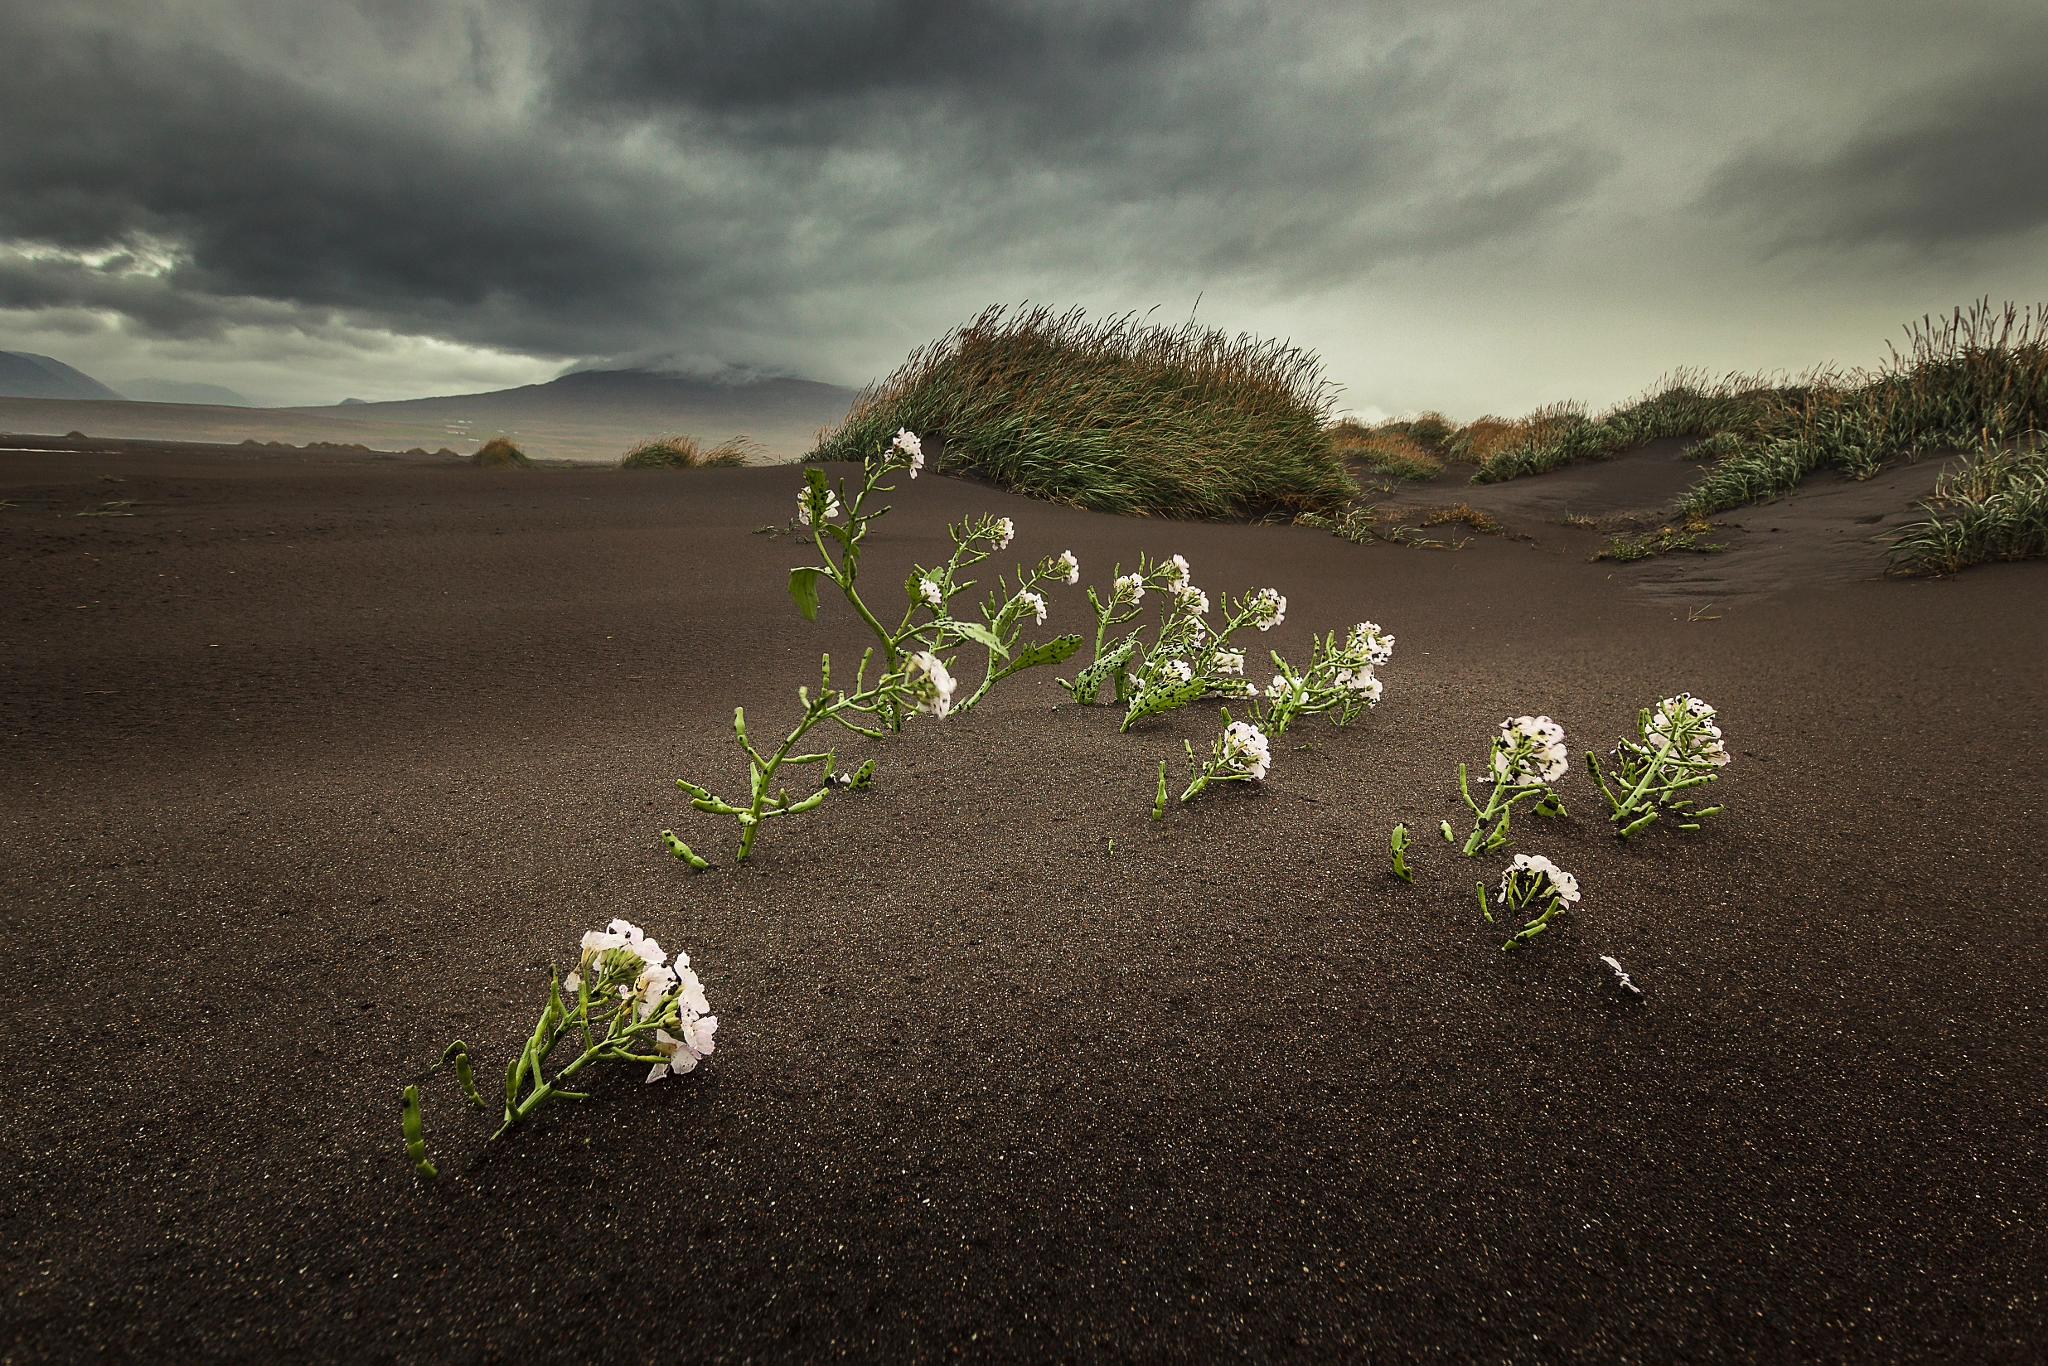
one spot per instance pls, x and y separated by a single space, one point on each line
1463 513
1995 508
1114 416
500 453
678 452
1665 540
1387 449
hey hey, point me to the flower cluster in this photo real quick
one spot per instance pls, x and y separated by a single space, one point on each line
1677 745
1529 752
928 684
1562 884
928 589
627 1001
1068 568
1683 726
1269 609
1532 883
908 448
815 506
1246 749
1005 532
1034 603
1129 588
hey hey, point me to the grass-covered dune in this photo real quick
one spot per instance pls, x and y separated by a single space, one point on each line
1974 380
1115 416
1978 377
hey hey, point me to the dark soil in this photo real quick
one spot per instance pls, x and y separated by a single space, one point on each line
311 765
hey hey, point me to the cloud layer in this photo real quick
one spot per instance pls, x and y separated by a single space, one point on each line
1455 204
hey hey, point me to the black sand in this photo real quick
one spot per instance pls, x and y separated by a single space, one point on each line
312 765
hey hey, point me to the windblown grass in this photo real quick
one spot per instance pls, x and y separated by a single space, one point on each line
1387 449
1114 416
500 453
678 452
1684 403
1995 508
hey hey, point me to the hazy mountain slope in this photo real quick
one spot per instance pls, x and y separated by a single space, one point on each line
183 391
593 416
23 374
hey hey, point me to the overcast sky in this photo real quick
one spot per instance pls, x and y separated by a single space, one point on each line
1472 207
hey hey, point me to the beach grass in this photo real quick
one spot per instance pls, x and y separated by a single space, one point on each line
1114 415
500 453
679 452
1993 508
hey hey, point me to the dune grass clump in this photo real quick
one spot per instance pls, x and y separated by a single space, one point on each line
1995 508
1391 449
678 452
1115 416
498 454
1684 403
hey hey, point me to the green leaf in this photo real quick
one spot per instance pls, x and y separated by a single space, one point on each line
1044 652
967 630
803 586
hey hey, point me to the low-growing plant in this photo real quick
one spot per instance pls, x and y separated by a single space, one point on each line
1340 677
1665 540
913 676
679 452
1995 508
1242 753
1464 514
1535 889
1526 757
500 453
1397 847
1677 747
625 996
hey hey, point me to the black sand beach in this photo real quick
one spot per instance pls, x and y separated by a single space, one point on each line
313 763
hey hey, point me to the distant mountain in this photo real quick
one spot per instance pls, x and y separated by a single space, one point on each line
26 375
183 391
597 414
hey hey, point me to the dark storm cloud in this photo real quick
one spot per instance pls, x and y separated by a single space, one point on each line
1957 165
615 177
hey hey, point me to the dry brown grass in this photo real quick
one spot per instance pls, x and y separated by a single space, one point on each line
499 453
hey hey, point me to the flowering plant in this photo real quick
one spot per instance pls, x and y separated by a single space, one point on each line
1526 757
1339 677
1124 603
915 675
1240 754
1535 888
1677 746
628 1002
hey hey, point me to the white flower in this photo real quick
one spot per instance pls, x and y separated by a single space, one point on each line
573 983
1366 639
1230 663
1269 609
926 679
1070 565
1546 759
1176 570
1033 602
1198 635
809 504
690 996
1245 749
906 442
1005 531
1704 744
1178 670
1193 600
682 1052
1130 586
931 592
1562 883
1360 681
1280 690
